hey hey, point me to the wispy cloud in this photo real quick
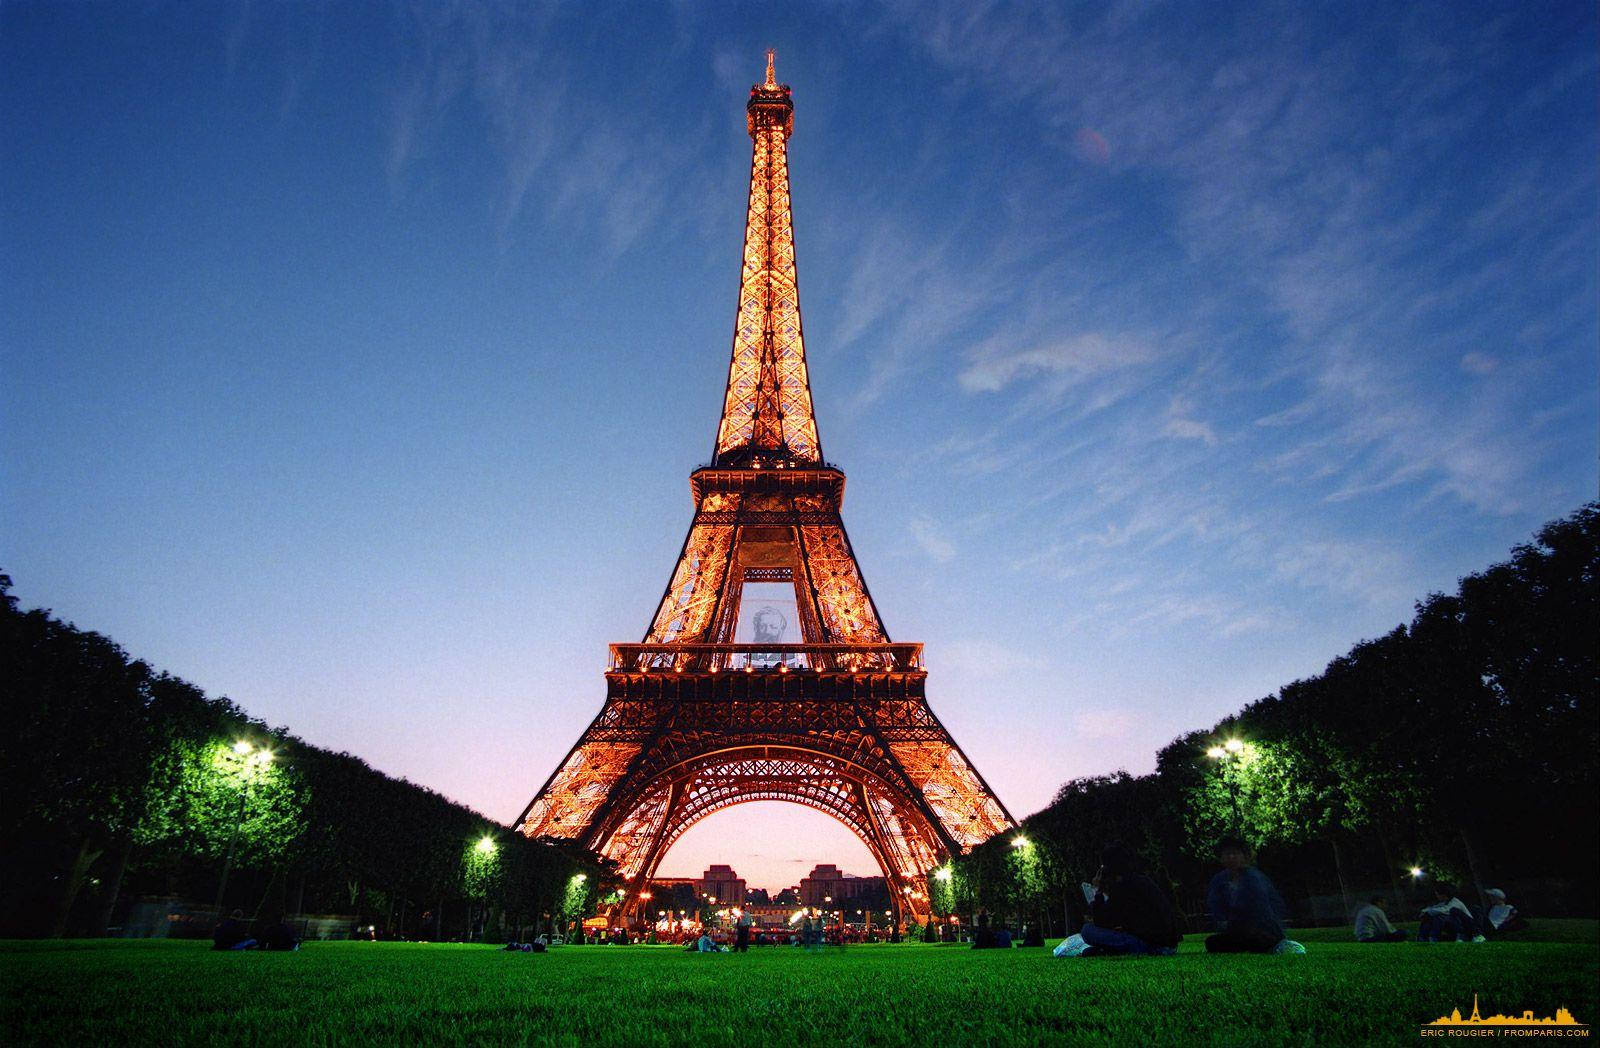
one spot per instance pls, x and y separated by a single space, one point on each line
930 538
1180 425
501 70
1281 174
996 366
1369 571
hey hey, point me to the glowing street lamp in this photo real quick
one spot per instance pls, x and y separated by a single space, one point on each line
943 873
1416 872
1020 842
485 846
251 761
1230 754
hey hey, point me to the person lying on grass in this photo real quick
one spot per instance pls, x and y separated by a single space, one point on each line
1131 914
1245 907
1448 919
1372 923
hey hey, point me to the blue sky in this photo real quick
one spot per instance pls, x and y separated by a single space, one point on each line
355 356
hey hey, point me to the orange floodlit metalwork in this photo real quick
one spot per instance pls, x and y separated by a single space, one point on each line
694 722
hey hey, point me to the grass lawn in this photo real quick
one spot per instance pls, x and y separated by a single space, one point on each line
160 992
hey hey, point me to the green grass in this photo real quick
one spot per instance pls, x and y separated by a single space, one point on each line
156 992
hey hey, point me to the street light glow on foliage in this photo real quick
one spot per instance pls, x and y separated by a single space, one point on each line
1019 842
1216 753
1416 871
942 873
485 846
1233 745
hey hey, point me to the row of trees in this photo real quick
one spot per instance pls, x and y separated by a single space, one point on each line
120 781
1463 746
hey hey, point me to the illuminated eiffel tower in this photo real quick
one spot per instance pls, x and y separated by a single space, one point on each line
694 722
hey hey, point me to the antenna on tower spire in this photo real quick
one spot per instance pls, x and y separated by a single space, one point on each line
772 77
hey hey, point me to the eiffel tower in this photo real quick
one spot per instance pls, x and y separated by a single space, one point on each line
694 722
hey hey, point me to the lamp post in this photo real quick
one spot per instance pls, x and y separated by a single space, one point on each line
1021 844
1229 756
944 875
485 847
250 758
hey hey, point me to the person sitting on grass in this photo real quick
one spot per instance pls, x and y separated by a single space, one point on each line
1503 917
232 933
705 944
1372 923
983 937
1245 907
1131 914
279 934
1448 919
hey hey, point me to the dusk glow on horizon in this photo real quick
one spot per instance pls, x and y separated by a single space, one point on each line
356 358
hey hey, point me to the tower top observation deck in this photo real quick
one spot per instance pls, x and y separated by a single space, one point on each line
770 105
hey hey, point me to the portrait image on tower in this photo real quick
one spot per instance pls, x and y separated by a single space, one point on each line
766 672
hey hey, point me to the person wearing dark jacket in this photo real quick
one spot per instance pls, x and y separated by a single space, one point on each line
985 937
232 933
1131 914
1245 907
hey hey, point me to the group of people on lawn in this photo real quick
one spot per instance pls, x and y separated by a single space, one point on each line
1129 914
1447 919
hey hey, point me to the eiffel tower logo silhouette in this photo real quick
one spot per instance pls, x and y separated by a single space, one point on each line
694 722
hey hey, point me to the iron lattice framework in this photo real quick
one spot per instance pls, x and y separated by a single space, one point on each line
693 722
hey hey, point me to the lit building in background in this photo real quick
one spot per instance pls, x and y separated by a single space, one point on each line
723 885
828 885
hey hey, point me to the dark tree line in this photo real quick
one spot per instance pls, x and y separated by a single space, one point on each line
1463 745
118 781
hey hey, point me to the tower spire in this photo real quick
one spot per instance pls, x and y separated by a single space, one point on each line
767 420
